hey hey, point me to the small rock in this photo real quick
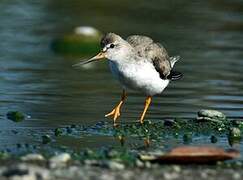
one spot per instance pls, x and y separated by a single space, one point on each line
171 176
148 164
73 126
176 168
235 133
139 163
237 123
169 122
91 162
236 175
25 171
211 114
15 116
114 165
46 139
187 137
58 131
59 160
19 145
33 157
83 41
69 130
213 139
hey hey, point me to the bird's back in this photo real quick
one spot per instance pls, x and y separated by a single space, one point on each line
152 51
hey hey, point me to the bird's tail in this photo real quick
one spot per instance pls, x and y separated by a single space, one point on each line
173 60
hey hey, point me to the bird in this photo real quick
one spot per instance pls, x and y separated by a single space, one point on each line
138 63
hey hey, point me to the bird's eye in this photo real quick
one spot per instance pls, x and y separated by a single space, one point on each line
112 45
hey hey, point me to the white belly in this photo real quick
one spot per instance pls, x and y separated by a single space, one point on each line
140 76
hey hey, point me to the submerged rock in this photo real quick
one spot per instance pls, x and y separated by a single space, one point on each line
169 122
211 115
84 40
213 139
58 132
15 116
187 138
46 139
235 133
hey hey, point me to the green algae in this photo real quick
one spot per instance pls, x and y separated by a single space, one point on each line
135 138
123 156
58 132
15 116
46 139
76 44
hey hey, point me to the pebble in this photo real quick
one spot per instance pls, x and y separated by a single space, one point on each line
213 139
46 139
25 172
171 176
59 160
139 163
169 122
113 165
32 157
235 132
236 176
211 114
176 168
91 162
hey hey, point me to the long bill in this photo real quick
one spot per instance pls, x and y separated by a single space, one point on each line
98 57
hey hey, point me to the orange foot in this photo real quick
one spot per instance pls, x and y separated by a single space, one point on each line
115 113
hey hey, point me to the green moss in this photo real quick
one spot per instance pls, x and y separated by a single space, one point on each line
46 139
76 44
58 132
4 155
123 156
187 138
15 116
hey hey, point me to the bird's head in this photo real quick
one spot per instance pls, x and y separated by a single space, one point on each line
113 47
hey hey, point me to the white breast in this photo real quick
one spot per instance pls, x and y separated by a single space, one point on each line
140 76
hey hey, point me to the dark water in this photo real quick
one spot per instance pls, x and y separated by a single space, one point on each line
206 34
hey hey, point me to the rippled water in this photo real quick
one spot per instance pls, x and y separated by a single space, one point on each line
206 34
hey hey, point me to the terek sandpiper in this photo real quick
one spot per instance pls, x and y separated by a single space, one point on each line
138 63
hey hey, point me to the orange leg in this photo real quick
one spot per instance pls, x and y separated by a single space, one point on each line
147 103
115 113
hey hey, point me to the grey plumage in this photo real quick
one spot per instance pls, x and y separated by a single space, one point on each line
155 52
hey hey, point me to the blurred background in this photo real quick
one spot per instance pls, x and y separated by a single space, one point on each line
43 84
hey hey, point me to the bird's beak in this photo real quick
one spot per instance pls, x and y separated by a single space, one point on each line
98 57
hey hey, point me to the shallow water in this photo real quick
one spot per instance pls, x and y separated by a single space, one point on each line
33 79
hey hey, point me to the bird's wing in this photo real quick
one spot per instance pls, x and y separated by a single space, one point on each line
153 52
138 41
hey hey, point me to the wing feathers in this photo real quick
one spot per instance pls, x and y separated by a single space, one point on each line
155 53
